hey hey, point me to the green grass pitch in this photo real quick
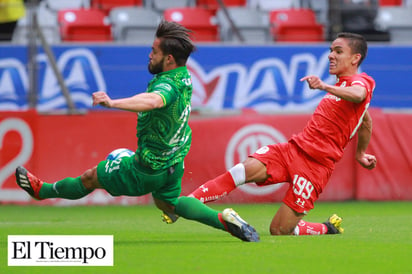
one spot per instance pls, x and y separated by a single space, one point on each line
377 239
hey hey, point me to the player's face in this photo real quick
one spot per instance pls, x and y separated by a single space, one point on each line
341 59
156 58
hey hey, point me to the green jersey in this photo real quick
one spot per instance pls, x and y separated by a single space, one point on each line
164 135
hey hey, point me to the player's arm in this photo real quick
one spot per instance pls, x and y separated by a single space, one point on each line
138 103
354 93
364 135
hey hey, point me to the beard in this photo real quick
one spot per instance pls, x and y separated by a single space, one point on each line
156 67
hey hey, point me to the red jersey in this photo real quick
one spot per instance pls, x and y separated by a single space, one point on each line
334 122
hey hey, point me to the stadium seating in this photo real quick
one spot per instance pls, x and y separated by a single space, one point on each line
199 20
274 22
321 9
84 25
390 2
47 20
396 20
268 5
134 24
214 5
162 5
294 25
357 16
252 24
56 5
107 5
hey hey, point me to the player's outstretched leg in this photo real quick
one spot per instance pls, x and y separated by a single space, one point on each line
27 181
238 227
192 209
333 224
67 188
233 223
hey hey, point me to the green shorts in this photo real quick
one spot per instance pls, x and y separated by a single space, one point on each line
127 177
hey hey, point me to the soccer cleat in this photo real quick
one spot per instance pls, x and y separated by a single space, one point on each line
239 227
169 218
27 181
334 225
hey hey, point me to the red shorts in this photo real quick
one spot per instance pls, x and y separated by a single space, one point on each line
286 162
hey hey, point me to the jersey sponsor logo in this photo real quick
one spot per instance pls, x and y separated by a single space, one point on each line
333 97
246 141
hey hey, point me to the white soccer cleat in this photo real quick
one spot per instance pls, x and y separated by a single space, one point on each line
238 227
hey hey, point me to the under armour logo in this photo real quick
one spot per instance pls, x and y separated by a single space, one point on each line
204 189
300 202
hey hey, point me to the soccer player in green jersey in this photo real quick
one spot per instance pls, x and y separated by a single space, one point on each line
164 139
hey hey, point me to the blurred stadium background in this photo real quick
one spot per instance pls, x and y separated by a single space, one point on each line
251 55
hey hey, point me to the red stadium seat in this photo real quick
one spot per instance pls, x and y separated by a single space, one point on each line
199 20
390 2
214 5
83 25
295 25
107 5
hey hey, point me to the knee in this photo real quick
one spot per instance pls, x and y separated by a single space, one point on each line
165 207
279 230
89 179
255 170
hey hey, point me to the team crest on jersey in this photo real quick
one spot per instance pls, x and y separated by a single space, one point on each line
262 150
343 84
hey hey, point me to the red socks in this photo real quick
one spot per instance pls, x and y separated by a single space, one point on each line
214 189
305 228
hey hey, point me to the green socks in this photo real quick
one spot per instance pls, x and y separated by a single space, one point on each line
68 188
186 207
192 209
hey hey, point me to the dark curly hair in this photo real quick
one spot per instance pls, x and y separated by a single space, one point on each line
176 40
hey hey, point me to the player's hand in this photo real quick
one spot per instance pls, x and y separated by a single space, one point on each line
314 82
367 161
101 98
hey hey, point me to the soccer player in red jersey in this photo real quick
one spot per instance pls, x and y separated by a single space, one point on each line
307 160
